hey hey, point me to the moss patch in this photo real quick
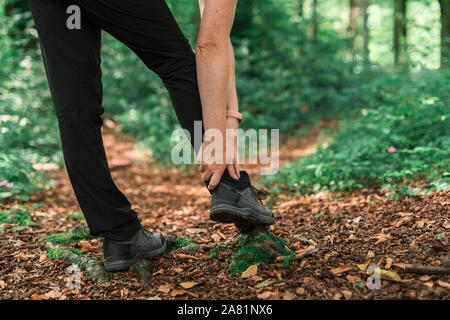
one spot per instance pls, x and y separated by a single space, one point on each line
21 218
181 242
74 215
69 236
257 248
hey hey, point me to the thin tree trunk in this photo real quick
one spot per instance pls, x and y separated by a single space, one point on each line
400 43
315 20
366 53
445 32
352 30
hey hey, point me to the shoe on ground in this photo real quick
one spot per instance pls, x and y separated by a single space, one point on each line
120 255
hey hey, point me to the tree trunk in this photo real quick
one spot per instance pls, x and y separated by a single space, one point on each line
445 32
400 43
366 53
315 20
352 30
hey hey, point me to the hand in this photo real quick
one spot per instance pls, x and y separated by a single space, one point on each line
233 168
213 170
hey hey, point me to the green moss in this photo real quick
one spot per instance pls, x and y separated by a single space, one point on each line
55 254
21 218
215 254
250 252
69 236
182 242
74 215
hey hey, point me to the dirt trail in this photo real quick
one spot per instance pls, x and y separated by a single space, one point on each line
348 229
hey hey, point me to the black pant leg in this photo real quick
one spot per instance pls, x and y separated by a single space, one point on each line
72 63
149 29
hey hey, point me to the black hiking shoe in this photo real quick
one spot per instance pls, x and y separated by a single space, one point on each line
240 203
120 255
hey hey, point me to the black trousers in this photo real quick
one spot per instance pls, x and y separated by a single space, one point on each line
72 63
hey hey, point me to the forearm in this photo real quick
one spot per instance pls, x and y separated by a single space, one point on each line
214 62
213 76
232 98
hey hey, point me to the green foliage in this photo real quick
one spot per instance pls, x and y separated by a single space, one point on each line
18 217
182 242
250 252
75 216
69 236
403 134
28 128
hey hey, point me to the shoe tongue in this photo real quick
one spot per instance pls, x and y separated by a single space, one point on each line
242 183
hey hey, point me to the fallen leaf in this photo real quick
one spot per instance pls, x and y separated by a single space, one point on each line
186 256
124 293
265 283
353 279
53 294
257 278
429 284
160 271
300 291
363 266
36 297
265 295
69 292
347 294
178 292
443 284
250 272
425 278
388 275
165 288
389 262
188 285
339 270
288 295
2 284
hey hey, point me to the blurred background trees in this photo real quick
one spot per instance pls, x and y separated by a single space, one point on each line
365 62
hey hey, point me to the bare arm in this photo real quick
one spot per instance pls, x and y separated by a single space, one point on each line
213 71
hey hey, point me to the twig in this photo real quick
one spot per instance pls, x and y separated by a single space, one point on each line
92 266
418 269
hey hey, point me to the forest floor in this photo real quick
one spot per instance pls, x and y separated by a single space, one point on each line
350 231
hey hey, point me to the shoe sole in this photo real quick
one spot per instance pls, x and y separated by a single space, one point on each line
123 265
226 213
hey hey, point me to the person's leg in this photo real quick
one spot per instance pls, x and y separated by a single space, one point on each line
149 29
72 63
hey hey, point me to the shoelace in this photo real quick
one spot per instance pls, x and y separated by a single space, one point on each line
260 194
148 234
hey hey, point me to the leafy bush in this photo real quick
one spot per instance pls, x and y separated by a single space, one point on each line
403 134
28 127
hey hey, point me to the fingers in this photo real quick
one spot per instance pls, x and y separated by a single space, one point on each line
206 175
237 168
232 171
215 179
